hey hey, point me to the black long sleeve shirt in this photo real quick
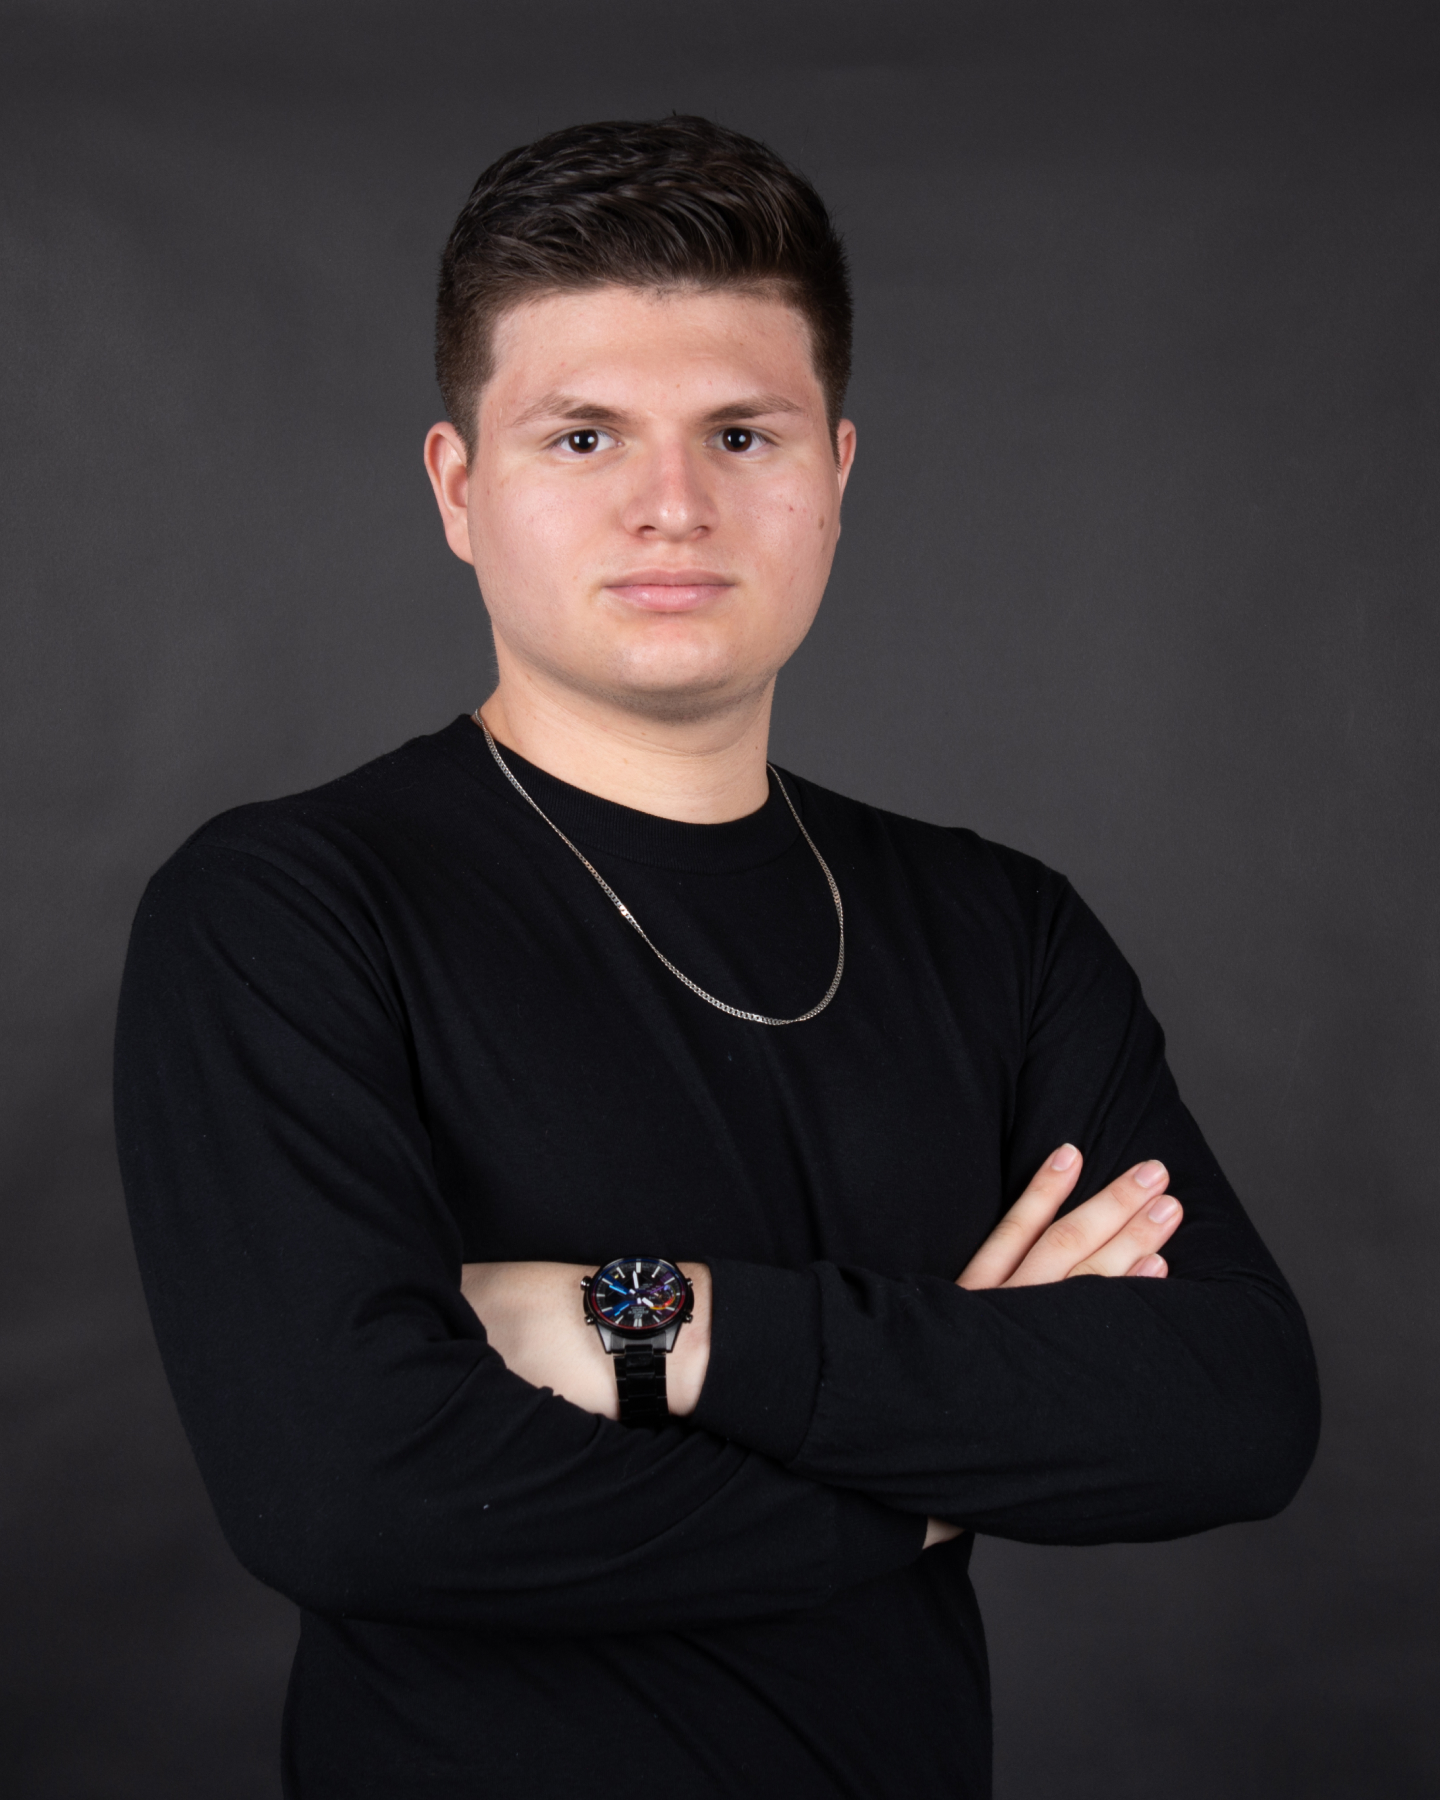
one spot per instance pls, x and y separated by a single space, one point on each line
377 1030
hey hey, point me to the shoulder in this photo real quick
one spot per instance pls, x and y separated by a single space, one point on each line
343 823
330 853
1015 918
951 862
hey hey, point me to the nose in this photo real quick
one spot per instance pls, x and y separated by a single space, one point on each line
671 498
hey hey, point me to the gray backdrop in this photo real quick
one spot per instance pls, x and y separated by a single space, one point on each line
1137 575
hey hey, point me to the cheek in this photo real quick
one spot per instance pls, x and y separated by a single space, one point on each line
526 540
794 537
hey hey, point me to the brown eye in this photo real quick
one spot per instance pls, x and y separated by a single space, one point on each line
583 442
735 437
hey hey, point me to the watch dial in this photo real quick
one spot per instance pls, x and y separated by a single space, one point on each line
638 1293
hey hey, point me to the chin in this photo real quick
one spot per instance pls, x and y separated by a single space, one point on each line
676 696
677 704
670 683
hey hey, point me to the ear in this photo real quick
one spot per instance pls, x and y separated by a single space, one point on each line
844 450
449 471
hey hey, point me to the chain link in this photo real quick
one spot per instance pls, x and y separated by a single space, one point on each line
735 1012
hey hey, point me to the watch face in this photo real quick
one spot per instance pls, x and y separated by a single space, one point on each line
638 1294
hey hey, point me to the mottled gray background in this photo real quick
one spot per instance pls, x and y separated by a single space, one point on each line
1138 574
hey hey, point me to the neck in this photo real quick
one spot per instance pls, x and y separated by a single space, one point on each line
703 771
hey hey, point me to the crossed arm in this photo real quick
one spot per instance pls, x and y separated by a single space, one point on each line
533 1318
370 1453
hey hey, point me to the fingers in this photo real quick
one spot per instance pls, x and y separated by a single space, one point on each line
1150 1227
1151 1265
1109 1234
1010 1242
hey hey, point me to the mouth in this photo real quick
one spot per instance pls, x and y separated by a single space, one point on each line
669 590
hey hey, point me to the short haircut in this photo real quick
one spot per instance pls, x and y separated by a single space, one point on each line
663 204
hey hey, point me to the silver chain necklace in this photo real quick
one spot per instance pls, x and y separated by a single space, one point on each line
625 913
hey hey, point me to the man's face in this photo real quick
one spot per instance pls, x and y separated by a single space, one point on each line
654 497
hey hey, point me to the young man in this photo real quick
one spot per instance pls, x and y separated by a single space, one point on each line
595 1191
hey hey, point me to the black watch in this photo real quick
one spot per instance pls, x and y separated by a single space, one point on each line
638 1304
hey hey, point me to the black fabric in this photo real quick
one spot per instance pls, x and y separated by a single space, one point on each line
376 1030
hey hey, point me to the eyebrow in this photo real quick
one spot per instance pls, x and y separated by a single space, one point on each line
753 406
568 406
592 412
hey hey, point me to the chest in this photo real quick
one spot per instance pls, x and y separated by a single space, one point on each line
581 1103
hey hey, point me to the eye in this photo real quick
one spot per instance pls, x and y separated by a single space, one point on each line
738 439
585 441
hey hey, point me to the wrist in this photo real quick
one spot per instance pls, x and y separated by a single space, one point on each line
651 1318
689 1361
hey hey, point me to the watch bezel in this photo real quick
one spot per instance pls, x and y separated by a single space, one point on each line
639 1333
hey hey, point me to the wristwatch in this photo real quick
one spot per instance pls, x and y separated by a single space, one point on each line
638 1304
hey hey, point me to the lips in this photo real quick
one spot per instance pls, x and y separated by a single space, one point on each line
670 590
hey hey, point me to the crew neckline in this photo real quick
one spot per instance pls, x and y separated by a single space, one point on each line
623 831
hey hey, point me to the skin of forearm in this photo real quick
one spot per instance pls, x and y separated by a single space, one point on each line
534 1318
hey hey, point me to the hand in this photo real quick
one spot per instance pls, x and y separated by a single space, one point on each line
1117 1232
534 1316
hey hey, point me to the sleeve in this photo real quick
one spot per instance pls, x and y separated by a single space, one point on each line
1086 1411
366 1451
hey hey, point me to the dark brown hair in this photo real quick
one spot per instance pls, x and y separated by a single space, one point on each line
677 202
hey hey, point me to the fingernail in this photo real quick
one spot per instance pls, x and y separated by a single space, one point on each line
1151 1265
1164 1208
1148 1174
1064 1158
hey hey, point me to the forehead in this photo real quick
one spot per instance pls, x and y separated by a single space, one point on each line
686 345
